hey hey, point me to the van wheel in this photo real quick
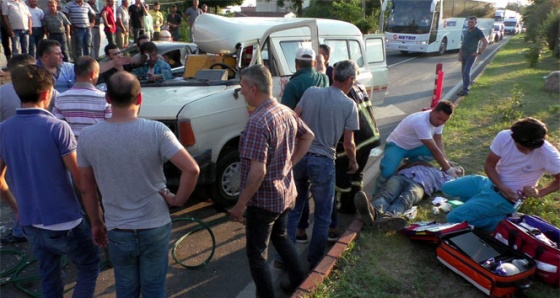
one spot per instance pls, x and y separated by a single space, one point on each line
226 188
442 47
405 53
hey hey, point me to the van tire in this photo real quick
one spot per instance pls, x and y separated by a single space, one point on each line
442 47
405 53
225 190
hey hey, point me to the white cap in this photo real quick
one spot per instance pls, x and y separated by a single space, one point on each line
305 54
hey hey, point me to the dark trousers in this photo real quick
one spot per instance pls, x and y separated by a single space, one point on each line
34 39
261 227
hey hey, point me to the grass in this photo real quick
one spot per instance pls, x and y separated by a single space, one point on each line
390 265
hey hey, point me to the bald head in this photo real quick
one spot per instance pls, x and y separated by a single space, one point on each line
123 89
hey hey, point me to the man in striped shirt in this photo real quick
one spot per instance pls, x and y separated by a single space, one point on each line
83 105
82 17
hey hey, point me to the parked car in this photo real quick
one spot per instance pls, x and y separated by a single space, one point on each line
498 31
511 26
205 108
174 50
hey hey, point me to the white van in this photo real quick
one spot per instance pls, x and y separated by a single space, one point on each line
205 108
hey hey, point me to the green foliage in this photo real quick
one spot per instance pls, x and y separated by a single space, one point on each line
535 52
535 16
511 108
347 10
551 32
366 25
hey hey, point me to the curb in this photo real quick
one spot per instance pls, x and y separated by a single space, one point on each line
325 267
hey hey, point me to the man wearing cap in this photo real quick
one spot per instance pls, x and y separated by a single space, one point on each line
517 160
305 76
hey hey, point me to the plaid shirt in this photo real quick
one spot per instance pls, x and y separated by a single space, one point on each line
270 137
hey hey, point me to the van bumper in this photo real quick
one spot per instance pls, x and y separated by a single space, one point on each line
207 170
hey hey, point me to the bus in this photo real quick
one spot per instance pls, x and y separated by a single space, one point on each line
428 26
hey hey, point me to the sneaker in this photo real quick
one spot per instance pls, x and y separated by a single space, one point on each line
462 93
388 224
333 235
364 208
302 238
278 264
12 239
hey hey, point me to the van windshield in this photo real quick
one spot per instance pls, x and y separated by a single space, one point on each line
510 24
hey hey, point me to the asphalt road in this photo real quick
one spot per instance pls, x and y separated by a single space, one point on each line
227 274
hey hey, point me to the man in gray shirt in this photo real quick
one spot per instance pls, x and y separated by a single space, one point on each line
190 16
330 114
124 157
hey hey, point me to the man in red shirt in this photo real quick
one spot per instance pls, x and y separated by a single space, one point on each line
108 16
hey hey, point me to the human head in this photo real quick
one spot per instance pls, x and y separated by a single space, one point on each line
80 2
111 51
138 2
110 3
529 132
32 3
123 90
32 83
142 39
471 22
441 113
92 2
345 70
146 6
325 50
49 53
150 49
320 67
305 57
51 5
20 60
173 8
256 80
86 69
204 8
155 6
124 3
195 3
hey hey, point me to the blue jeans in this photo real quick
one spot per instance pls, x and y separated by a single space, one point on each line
20 42
261 227
395 154
315 173
399 194
34 39
81 42
140 259
49 246
466 65
483 207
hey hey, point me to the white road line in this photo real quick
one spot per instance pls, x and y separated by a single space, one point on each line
404 61
387 111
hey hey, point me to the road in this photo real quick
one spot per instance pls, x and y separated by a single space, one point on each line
227 274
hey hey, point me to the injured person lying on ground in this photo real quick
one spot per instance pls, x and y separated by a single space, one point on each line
400 193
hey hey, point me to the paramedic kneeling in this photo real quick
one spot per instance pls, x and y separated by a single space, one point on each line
517 160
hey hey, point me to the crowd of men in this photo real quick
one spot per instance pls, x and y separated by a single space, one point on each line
76 25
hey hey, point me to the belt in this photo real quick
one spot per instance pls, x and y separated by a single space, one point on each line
497 190
130 230
37 27
315 154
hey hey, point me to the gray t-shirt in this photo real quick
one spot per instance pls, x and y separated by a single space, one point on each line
127 159
9 101
328 112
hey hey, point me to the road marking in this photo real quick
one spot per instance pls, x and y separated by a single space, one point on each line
404 61
387 111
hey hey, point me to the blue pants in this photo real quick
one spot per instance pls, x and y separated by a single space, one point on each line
466 65
317 174
140 259
399 194
263 226
20 42
81 41
34 39
50 246
395 154
483 207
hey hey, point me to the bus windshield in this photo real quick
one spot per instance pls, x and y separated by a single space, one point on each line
410 17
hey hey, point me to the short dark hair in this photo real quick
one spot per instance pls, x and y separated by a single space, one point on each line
45 46
529 132
20 60
141 37
326 48
156 3
148 47
30 81
84 65
472 18
123 88
109 47
445 106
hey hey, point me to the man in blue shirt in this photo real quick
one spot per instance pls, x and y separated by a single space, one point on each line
153 69
37 151
469 52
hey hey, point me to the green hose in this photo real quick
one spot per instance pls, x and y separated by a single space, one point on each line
201 226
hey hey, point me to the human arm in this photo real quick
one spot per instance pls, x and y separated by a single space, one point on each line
187 182
92 206
118 61
350 149
104 17
484 41
257 171
303 144
71 162
30 23
437 153
490 169
531 191
164 72
5 193
8 27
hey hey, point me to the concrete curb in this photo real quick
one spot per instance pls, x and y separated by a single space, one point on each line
325 267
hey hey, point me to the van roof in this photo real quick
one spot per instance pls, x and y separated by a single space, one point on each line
217 34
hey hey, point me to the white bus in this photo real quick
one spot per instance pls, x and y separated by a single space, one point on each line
427 26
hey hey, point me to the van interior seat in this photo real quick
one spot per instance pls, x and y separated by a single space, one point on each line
194 63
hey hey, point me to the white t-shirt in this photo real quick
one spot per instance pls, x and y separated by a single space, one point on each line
517 169
412 129
37 15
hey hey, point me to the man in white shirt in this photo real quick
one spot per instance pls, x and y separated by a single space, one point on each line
36 33
517 160
18 22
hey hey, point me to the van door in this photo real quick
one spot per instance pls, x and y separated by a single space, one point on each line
275 59
376 63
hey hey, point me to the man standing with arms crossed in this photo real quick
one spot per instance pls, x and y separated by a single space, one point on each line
190 16
330 114
469 52
135 199
38 151
273 141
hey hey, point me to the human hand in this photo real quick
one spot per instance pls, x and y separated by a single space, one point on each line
167 195
530 191
153 77
453 172
99 235
236 214
122 60
510 194
353 167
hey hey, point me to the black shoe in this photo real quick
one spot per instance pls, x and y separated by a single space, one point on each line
365 209
302 238
287 286
11 239
390 223
333 235
462 93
